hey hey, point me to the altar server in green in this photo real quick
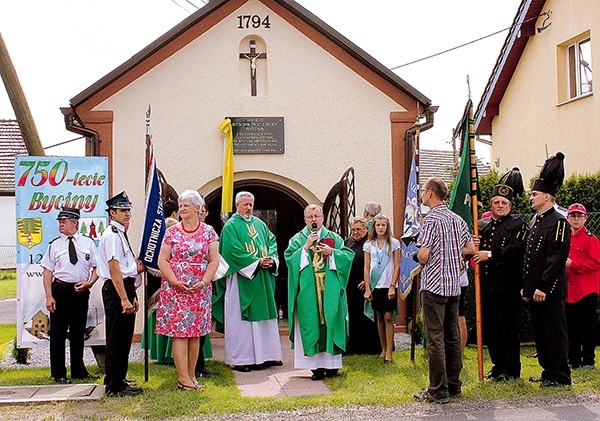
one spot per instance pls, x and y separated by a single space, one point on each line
318 269
244 302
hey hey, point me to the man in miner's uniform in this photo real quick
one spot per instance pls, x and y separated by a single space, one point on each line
545 275
500 256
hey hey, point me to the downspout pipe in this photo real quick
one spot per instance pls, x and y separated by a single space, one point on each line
410 135
73 124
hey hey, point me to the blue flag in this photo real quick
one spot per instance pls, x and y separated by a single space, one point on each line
154 219
411 227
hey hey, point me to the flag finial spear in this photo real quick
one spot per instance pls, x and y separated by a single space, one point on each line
469 86
148 114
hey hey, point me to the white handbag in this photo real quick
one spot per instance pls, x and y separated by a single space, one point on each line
222 269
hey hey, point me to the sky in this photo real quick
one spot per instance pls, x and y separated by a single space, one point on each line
61 47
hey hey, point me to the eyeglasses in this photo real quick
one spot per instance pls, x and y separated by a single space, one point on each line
576 215
313 217
358 229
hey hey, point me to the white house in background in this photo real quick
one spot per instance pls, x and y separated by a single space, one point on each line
11 145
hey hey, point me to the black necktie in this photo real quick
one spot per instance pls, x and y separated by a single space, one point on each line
128 243
72 251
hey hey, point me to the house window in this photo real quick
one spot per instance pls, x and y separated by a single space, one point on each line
579 68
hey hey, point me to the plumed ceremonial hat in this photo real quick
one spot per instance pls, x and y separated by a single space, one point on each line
552 175
118 201
68 213
510 185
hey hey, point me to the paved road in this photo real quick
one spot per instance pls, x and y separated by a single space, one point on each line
8 311
581 407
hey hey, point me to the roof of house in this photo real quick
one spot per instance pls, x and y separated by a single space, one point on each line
205 12
11 145
441 163
523 27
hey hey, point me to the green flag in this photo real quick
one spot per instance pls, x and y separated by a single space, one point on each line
466 184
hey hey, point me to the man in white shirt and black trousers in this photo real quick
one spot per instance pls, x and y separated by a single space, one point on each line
69 272
117 266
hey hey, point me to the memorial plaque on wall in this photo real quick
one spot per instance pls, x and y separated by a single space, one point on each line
257 135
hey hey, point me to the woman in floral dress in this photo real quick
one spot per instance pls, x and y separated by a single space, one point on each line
188 260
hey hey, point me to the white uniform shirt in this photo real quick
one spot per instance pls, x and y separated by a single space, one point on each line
56 258
113 245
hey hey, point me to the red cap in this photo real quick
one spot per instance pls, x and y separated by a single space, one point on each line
577 207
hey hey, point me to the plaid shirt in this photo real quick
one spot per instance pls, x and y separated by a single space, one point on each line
445 234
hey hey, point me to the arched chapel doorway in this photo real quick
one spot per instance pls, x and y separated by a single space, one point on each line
280 207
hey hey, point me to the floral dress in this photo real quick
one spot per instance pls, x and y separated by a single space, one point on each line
186 314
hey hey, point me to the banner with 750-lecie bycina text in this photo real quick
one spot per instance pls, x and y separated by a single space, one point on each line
43 186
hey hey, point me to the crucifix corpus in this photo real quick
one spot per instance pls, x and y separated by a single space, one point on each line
253 56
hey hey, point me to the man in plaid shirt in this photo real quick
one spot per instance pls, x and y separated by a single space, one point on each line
443 241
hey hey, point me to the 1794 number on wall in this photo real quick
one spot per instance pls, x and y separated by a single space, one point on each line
254 21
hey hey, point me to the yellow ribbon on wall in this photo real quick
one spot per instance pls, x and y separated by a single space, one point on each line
227 189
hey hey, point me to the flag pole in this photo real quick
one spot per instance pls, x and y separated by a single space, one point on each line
415 288
145 275
474 192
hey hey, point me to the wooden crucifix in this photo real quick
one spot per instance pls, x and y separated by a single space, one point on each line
253 56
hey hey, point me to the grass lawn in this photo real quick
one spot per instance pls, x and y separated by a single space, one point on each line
364 380
8 284
7 334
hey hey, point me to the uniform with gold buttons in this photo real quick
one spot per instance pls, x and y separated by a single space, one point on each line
504 241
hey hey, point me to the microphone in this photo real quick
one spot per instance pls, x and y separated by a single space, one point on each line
313 228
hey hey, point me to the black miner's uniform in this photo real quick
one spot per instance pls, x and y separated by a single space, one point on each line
544 269
501 292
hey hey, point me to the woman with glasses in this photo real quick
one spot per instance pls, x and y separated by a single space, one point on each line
363 337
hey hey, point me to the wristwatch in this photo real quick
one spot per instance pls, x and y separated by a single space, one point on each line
489 254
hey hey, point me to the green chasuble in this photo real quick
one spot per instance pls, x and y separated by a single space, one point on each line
243 243
303 298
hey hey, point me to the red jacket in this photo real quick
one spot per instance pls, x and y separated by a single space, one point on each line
583 277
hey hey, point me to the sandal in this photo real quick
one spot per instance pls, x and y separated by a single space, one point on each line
182 386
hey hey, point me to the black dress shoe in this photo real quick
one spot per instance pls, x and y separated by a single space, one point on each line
318 374
242 368
128 391
62 380
203 373
275 363
533 379
331 372
489 375
552 383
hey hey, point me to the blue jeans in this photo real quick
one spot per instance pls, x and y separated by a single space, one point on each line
440 316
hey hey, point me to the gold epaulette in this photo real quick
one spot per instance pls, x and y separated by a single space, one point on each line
522 234
561 226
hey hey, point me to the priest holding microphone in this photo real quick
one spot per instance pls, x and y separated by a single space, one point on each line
318 269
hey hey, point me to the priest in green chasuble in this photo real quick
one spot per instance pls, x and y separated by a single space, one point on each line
318 269
244 300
